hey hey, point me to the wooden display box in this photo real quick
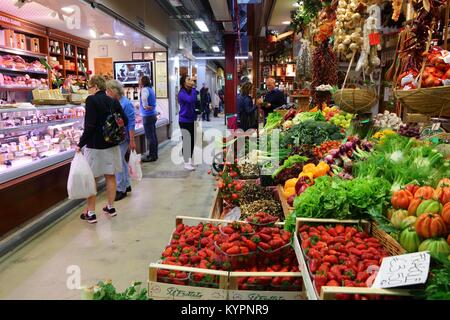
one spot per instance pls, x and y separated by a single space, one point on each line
329 293
227 286
287 209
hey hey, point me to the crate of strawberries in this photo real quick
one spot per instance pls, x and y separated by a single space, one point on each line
339 260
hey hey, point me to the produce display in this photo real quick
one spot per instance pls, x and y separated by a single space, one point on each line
339 255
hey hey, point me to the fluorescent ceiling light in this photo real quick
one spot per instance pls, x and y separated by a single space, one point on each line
119 34
124 43
220 58
215 48
147 47
104 34
286 22
93 33
201 25
68 10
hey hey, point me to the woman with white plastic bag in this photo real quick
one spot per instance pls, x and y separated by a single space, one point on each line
81 182
134 166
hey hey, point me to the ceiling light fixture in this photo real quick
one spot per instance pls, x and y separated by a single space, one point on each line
201 25
215 48
93 33
119 34
68 10
286 22
147 47
124 43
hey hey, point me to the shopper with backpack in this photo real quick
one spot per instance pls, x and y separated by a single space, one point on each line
104 129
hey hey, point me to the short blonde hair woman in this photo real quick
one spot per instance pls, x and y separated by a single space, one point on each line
102 156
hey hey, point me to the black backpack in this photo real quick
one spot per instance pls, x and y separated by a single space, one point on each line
114 128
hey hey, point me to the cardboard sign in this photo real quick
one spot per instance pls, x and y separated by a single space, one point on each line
403 270
159 290
374 39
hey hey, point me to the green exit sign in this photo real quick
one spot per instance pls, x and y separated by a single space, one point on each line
229 76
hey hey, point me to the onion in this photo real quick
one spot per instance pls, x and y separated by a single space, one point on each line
349 145
334 153
342 149
329 159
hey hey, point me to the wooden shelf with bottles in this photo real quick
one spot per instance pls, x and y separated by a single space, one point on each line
73 50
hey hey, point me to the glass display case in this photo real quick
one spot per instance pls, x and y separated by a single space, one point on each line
35 137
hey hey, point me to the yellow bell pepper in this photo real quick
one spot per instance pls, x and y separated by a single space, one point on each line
289 192
321 170
290 183
310 175
310 167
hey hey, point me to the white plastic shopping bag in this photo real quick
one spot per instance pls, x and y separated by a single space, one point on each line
81 182
134 166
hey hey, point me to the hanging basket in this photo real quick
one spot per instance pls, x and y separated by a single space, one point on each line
359 100
434 101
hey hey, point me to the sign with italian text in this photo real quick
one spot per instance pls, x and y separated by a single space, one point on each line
403 270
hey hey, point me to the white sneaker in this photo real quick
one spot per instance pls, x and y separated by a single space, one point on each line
189 167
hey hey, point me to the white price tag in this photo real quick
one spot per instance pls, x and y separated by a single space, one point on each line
436 126
447 58
446 82
407 79
403 270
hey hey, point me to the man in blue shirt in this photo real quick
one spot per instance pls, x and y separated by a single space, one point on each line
115 90
274 98
149 117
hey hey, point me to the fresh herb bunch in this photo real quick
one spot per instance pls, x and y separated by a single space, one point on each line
107 291
305 14
438 287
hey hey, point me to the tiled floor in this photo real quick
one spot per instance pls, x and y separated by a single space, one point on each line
117 248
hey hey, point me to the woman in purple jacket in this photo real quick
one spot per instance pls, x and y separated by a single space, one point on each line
187 117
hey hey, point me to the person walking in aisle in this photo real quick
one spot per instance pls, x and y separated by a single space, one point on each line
187 117
205 100
246 110
149 117
274 98
103 157
115 90
222 99
216 105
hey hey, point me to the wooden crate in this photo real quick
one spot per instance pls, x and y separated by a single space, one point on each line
235 294
228 288
166 291
329 293
217 206
287 209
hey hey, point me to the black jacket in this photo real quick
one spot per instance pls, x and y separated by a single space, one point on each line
98 108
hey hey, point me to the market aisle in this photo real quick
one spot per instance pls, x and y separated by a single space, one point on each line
119 248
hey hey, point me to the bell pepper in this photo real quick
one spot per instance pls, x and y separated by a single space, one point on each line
307 175
321 170
310 167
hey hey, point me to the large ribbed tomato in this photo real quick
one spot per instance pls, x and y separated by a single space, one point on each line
413 206
424 193
442 195
430 225
445 214
401 199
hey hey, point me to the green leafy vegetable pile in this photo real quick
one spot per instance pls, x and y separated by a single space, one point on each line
332 197
305 116
311 133
274 119
402 160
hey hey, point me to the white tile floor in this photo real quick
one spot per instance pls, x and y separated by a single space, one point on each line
117 248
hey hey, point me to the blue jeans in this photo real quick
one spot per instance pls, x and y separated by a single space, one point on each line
149 123
123 178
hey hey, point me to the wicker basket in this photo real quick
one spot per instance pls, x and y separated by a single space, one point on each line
389 243
433 101
355 100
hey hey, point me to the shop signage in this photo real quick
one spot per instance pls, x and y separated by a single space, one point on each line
161 74
403 270
10 21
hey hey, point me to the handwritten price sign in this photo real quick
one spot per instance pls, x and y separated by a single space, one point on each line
403 270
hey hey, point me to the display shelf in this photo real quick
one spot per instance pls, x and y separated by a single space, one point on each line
21 52
39 125
30 167
24 71
35 108
56 54
18 88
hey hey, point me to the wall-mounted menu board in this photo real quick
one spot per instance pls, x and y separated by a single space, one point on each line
161 75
